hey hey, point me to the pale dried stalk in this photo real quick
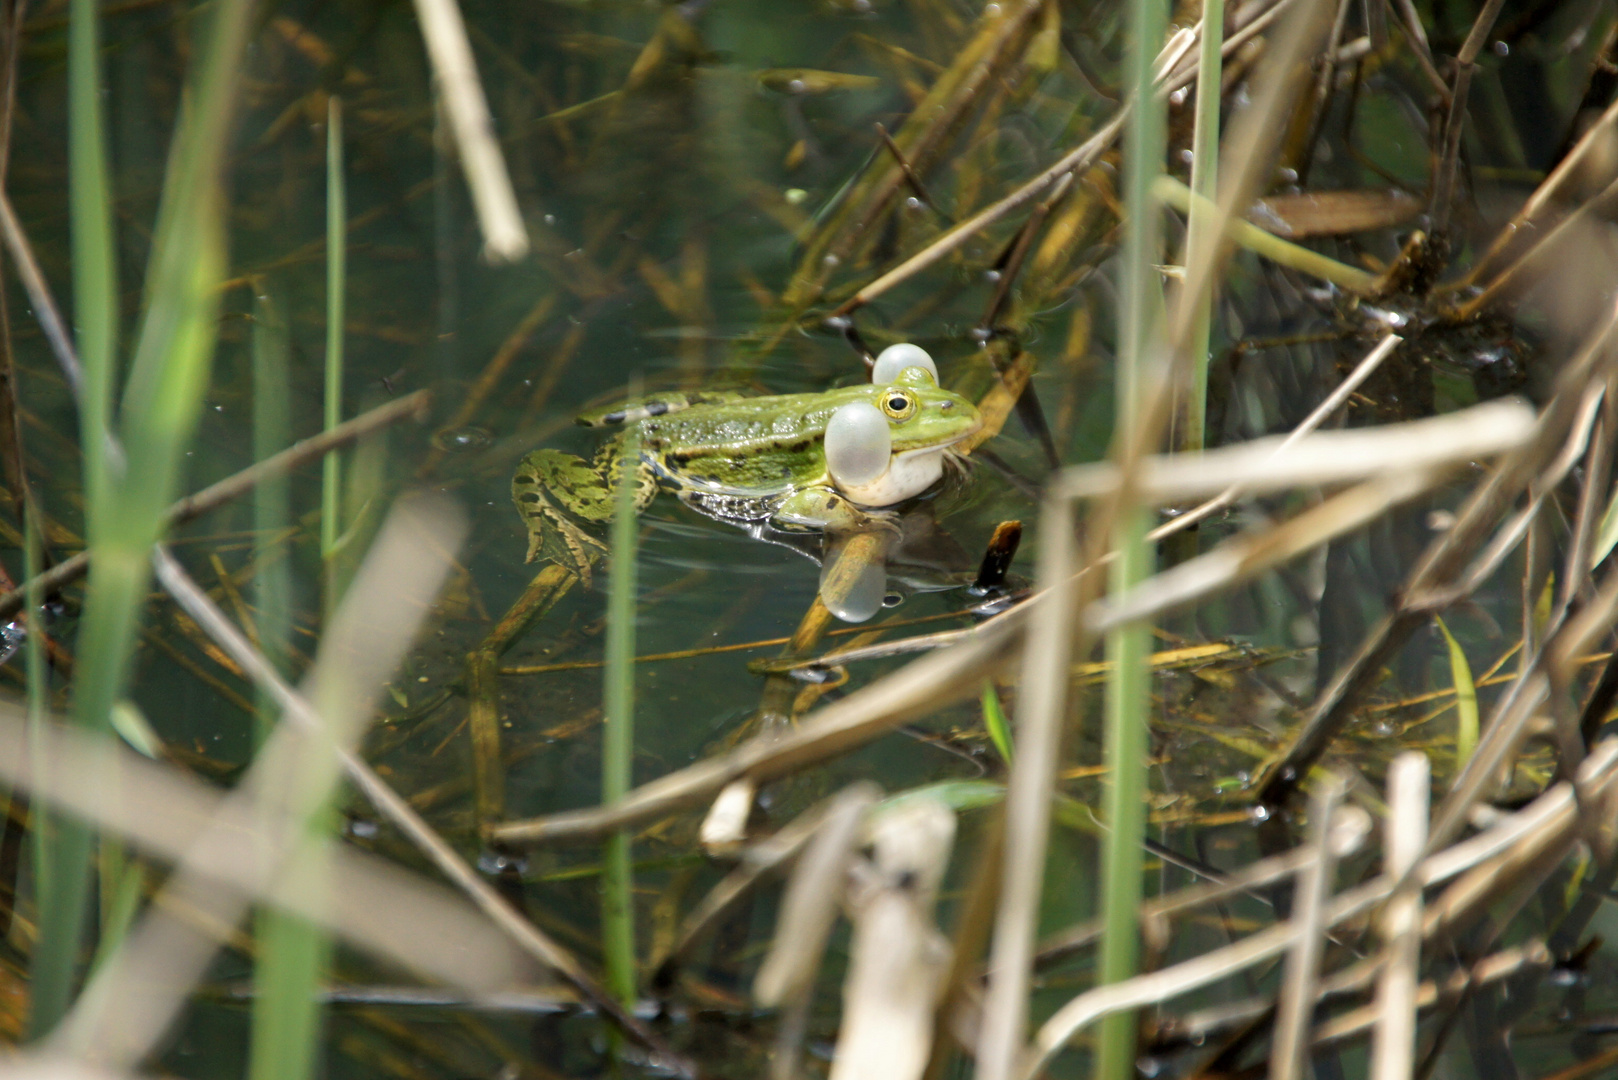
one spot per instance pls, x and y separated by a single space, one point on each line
1324 457
297 710
1289 1051
373 905
505 239
1362 371
1028 795
136 993
1393 1049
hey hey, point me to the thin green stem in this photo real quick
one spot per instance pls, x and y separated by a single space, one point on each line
168 378
618 743
62 848
95 268
292 953
336 283
1127 695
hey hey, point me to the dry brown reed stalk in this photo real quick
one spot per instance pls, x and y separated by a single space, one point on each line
505 238
1560 187
1074 162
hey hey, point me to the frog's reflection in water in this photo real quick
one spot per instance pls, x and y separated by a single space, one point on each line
887 559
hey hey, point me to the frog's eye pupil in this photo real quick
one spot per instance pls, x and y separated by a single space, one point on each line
896 403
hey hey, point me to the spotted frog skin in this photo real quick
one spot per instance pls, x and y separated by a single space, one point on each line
793 462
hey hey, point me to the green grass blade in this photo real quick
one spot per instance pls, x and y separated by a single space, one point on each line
618 743
292 955
161 405
63 847
1466 697
95 264
1127 695
994 719
336 283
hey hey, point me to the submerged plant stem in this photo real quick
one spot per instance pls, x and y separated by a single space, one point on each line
336 279
618 749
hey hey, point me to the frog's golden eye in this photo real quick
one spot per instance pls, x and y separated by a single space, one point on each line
899 404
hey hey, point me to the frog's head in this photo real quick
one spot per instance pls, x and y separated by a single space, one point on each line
889 445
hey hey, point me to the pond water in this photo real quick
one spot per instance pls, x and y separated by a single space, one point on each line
675 166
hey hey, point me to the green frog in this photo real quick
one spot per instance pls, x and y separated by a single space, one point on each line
799 463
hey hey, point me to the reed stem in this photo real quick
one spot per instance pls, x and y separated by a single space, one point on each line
63 846
336 283
618 743
1127 696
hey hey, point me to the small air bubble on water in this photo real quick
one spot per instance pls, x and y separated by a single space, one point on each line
1502 49
463 439
500 862
1384 729
1258 814
913 203
1187 156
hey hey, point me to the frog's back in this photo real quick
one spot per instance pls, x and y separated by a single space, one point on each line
745 445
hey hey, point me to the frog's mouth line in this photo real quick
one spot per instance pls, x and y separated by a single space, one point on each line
931 448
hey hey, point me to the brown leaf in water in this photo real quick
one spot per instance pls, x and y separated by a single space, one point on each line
1333 213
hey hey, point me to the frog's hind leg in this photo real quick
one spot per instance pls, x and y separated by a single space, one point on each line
609 464
540 477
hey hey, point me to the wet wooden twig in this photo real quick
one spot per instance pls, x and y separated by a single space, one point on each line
39 295
1455 118
233 487
1416 34
910 176
920 138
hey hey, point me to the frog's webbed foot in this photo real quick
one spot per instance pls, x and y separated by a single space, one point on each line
553 536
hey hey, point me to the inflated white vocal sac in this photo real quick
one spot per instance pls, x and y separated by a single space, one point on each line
895 358
859 446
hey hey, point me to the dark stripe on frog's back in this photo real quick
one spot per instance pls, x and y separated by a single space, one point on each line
761 471
757 444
